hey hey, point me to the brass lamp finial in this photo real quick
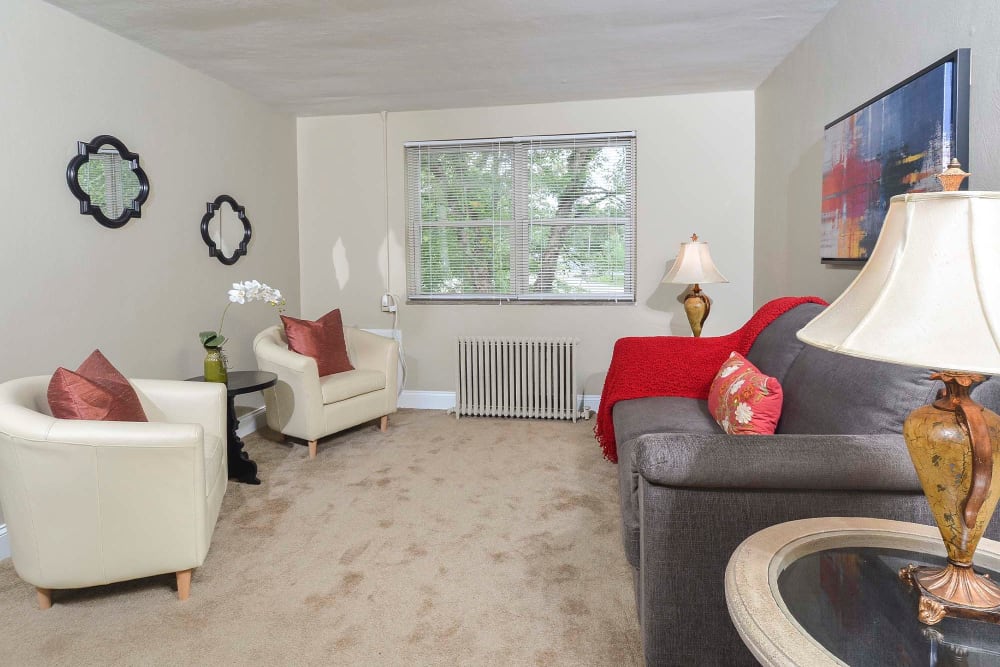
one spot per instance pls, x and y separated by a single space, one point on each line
952 177
694 237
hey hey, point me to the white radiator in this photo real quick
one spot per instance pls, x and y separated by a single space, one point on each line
516 377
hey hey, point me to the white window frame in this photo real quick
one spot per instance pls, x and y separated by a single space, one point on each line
520 223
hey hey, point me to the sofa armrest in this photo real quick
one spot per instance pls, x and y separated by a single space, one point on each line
785 461
699 497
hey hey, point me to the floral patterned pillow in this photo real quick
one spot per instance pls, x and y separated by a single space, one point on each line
743 400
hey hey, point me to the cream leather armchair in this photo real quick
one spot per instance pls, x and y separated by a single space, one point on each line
307 406
92 502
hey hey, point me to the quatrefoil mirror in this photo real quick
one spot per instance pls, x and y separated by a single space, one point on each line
226 229
107 179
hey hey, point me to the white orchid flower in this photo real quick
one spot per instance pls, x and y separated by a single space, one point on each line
248 290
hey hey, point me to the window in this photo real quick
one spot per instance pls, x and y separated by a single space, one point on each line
522 219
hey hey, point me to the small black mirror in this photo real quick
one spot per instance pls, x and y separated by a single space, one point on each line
226 240
105 176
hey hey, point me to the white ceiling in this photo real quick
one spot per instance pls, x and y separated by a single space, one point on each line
315 57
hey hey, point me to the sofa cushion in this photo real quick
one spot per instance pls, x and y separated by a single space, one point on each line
776 347
832 393
743 400
96 391
662 414
348 384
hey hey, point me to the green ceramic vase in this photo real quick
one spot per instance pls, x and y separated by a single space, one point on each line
215 365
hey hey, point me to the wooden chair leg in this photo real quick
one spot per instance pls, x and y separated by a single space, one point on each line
183 584
384 424
312 449
44 597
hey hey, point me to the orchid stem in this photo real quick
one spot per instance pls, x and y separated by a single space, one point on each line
224 311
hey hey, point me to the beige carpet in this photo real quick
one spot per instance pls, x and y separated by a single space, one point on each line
441 542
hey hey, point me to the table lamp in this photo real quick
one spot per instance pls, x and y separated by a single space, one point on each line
929 297
694 265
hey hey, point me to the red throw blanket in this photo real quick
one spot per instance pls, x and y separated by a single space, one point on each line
676 365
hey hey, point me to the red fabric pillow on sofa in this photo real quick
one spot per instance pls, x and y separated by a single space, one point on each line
96 391
743 400
323 340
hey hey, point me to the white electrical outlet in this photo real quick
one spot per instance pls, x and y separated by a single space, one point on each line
388 303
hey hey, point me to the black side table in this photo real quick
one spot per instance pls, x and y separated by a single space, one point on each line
241 467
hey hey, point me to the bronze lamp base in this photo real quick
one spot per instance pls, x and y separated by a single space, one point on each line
953 444
697 306
955 591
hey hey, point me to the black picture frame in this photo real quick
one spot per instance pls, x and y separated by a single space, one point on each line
213 249
842 226
133 209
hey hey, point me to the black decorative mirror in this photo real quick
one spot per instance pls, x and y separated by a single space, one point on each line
226 229
105 176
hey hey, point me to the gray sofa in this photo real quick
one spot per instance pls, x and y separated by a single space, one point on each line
690 493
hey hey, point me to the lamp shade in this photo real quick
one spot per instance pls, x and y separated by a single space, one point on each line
929 296
694 265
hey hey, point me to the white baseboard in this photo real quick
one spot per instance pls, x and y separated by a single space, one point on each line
426 400
445 400
4 542
251 421
420 400
591 401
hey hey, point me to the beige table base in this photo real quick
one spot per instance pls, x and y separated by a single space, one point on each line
759 614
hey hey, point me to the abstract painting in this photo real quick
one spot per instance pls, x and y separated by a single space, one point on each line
891 145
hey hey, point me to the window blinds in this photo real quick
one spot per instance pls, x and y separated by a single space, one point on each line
522 218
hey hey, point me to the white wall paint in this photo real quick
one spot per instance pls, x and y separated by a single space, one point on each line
695 174
143 292
860 49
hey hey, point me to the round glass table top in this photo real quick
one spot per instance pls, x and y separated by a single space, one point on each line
852 601
822 592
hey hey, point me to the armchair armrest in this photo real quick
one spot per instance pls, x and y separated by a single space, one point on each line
286 359
182 402
295 404
125 434
138 486
785 462
372 352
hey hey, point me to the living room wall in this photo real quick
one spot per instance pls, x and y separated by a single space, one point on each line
143 292
694 174
860 49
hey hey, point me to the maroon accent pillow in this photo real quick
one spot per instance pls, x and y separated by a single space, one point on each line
323 340
96 391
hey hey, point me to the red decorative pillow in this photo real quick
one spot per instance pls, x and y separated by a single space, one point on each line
323 340
96 391
743 400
